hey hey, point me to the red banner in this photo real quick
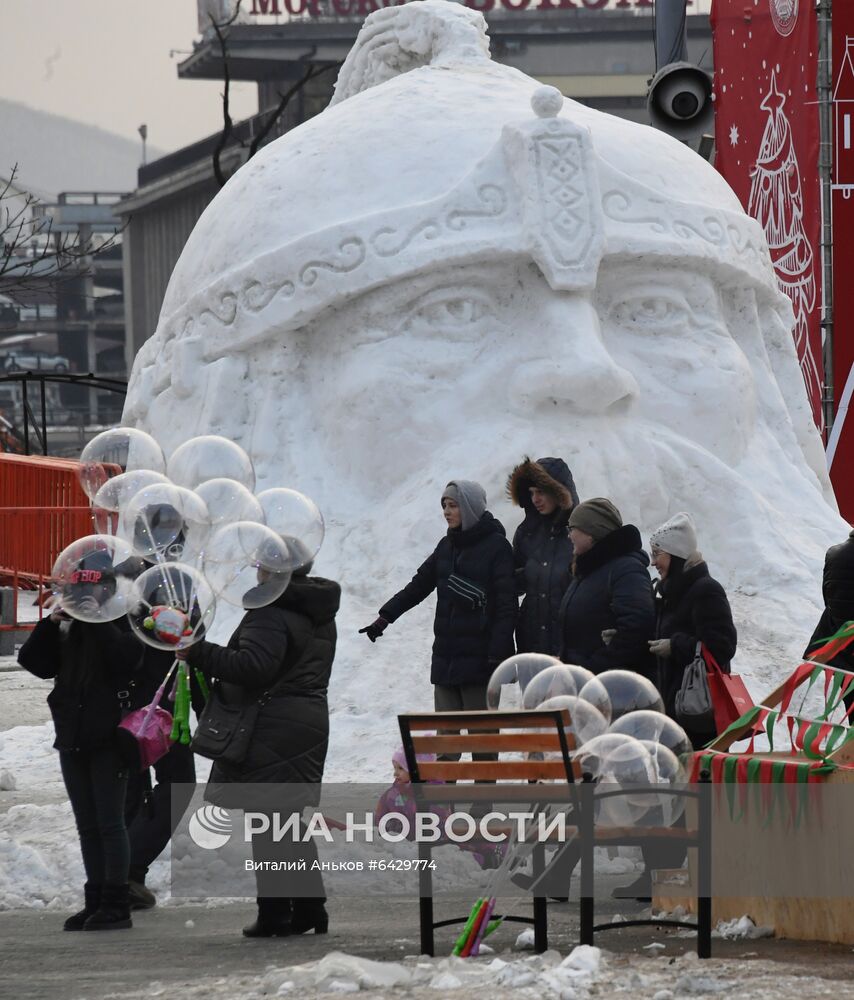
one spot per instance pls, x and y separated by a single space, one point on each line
840 445
767 144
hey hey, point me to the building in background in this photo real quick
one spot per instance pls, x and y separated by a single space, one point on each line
598 52
69 175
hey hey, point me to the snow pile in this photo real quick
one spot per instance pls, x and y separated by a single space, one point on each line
740 928
546 975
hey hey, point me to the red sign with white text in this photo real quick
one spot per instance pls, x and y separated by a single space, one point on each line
840 446
767 144
361 8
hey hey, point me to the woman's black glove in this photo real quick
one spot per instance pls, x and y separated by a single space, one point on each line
375 629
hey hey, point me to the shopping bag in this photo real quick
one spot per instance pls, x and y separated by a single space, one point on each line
730 696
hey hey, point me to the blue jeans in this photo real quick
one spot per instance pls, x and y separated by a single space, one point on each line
96 781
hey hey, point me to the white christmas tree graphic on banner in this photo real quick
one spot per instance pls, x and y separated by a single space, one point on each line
777 203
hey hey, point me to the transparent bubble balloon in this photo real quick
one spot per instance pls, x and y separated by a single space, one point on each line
92 578
122 449
595 693
581 675
620 762
117 492
595 752
166 522
630 692
172 606
668 771
297 517
210 457
585 722
646 725
248 564
228 501
510 678
549 683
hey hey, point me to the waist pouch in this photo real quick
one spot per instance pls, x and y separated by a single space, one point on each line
466 593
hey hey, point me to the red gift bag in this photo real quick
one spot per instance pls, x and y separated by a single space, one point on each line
730 696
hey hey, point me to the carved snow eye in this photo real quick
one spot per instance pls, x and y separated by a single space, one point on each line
657 313
450 313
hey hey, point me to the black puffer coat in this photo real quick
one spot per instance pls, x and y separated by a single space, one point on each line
286 649
838 592
94 669
610 589
542 552
691 607
468 643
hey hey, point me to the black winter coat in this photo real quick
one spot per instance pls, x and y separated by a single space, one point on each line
691 607
610 589
542 553
838 592
468 643
94 668
285 649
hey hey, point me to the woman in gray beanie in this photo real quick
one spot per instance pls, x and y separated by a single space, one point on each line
471 571
691 607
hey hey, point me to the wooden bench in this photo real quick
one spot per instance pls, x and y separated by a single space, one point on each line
537 783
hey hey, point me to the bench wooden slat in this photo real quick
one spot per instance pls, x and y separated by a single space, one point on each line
606 833
486 720
493 793
491 742
487 770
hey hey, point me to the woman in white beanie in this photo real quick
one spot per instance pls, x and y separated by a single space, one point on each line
691 607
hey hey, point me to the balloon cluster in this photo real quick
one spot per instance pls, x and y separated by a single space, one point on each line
182 534
616 729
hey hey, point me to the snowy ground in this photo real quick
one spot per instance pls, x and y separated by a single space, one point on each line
198 952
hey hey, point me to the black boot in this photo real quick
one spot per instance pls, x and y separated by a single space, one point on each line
273 920
140 896
92 900
114 911
309 915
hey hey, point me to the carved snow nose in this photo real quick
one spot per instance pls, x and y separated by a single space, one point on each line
587 388
572 370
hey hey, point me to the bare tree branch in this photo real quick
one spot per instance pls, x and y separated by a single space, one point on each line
33 256
284 100
221 31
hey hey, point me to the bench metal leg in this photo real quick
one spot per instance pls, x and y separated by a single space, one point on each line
541 919
585 832
704 868
425 901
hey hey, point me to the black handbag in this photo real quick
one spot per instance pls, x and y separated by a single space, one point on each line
225 731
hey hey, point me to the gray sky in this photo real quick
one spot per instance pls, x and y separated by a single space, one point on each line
107 63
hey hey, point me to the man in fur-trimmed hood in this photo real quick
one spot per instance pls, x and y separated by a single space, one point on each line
542 550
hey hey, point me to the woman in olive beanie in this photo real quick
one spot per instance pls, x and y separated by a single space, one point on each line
610 593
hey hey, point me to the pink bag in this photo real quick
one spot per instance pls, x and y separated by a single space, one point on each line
143 735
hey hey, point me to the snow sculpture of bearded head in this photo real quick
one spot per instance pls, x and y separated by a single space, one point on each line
453 266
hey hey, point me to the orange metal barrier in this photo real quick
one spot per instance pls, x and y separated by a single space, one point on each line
42 509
